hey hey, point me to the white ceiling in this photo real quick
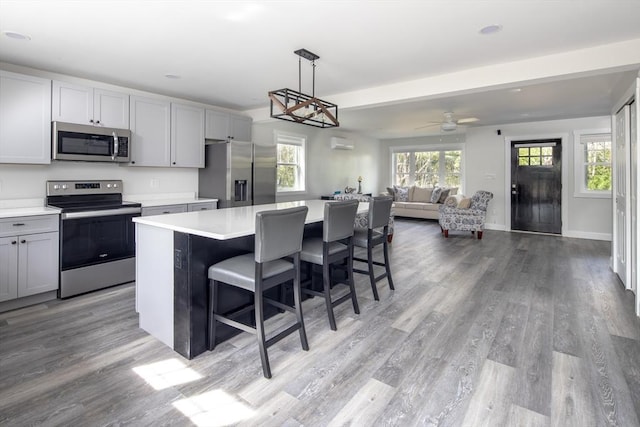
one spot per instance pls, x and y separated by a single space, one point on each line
231 53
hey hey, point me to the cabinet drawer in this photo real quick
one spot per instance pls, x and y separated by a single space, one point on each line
202 206
162 210
28 225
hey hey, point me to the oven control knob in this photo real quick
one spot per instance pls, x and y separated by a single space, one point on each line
115 185
64 186
108 185
56 187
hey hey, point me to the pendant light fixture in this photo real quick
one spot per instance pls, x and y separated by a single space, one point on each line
298 107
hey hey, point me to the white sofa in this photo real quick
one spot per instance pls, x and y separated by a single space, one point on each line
416 202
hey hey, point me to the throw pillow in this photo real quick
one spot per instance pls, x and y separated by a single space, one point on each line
421 194
464 204
454 191
402 194
444 194
435 195
392 192
451 202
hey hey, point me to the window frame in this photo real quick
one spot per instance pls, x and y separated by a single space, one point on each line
579 183
412 149
288 138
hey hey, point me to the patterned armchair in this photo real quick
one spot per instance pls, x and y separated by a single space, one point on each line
466 219
362 219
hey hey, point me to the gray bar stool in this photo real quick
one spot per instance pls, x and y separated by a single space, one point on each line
278 237
336 245
376 234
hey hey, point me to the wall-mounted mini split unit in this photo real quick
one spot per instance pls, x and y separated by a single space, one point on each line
339 143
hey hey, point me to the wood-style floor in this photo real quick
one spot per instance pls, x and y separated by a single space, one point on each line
512 330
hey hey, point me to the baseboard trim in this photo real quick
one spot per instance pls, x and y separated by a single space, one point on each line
570 233
588 235
497 227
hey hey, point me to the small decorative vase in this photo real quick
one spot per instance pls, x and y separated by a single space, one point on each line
359 188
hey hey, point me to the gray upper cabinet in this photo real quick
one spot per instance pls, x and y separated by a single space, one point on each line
25 119
150 132
166 134
222 126
187 136
88 106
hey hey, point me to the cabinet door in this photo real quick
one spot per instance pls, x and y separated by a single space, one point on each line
111 109
240 128
150 125
25 119
163 210
8 268
187 136
217 125
72 103
208 206
37 263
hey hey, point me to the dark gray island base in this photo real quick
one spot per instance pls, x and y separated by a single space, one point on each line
173 255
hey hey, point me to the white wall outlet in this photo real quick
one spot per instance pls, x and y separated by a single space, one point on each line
155 183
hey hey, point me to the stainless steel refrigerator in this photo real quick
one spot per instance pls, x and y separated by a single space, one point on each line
238 173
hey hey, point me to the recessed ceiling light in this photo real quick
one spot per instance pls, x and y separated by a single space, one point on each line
16 36
172 76
515 90
491 29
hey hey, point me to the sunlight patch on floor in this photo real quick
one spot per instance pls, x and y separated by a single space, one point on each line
166 373
214 408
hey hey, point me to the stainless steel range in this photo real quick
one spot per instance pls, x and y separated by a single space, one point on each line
97 235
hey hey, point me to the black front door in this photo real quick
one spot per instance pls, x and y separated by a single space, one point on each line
536 186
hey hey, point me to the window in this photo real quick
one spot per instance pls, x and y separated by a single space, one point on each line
427 168
592 163
535 156
290 162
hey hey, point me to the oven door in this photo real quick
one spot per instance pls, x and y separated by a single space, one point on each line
96 237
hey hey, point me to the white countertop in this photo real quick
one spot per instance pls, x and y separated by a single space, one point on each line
223 224
28 211
170 201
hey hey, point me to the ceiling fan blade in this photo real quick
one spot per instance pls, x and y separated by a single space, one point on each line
432 124
468 120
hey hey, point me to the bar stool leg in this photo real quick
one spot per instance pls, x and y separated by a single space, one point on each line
351 281
372 277
387 267
326 282
297 300
213 309
259 315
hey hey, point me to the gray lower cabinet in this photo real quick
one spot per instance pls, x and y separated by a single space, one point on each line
185 207
163 210
192 207
29 256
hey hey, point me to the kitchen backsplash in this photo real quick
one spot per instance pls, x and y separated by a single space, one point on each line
28 181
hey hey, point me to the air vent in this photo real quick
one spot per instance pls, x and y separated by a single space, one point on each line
339 143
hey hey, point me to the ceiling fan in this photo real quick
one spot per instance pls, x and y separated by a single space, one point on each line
449 123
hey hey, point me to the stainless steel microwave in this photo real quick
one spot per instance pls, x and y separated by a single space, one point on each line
90 143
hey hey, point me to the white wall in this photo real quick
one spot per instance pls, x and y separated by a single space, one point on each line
328 170
484 169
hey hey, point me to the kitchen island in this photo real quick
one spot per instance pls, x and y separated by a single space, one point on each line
173 254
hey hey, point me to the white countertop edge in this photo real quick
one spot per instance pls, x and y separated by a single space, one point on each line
28 211
188 230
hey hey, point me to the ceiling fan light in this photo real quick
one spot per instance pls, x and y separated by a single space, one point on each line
448 126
